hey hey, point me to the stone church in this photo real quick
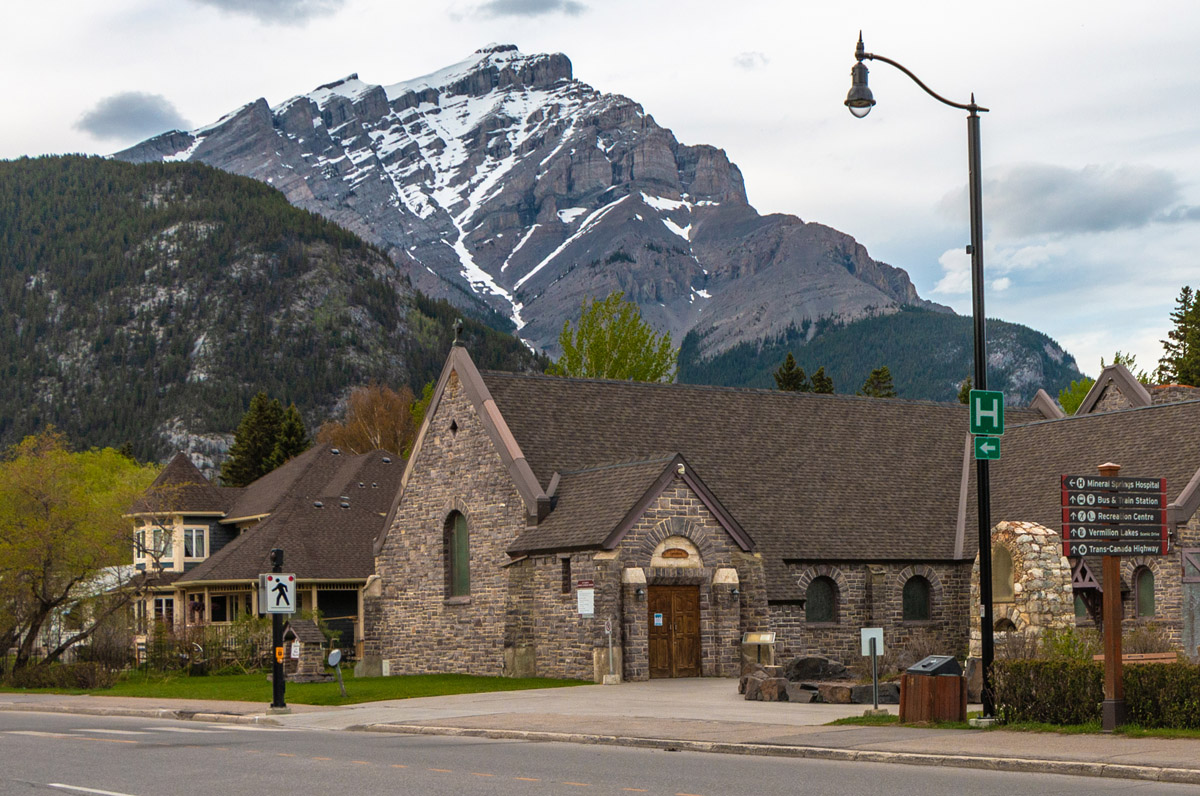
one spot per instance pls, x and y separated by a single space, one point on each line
578 528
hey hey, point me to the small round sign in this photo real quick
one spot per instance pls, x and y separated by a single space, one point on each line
335 657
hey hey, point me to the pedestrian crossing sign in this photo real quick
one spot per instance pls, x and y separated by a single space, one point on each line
277 593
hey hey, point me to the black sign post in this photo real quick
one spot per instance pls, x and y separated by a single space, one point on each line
1109 516
277 676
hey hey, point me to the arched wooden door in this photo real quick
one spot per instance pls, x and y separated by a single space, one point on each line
674 631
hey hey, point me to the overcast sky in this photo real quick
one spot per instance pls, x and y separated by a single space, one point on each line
1091 150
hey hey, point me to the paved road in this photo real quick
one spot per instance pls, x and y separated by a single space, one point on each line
54 753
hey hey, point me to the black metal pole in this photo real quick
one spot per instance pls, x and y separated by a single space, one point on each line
860 101
277 676
982 480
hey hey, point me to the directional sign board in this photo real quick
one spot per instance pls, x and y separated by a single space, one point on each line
987 412
277 593
987 448
1104 515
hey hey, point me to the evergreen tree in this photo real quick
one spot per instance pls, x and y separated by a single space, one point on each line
879 384
1181 350
292 440
253 442
1069 398
822 383
964 390
791 378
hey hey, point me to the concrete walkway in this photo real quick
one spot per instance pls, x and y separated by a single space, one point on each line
701 715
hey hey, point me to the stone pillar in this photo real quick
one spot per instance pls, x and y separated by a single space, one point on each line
635 628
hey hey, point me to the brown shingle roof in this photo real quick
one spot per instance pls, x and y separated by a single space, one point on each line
326 542
590 505
807 476
1157 441
181 488
320 473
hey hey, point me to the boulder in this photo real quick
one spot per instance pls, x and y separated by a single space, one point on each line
752 684
835 694
814 667
796 692
744 682
773 689
889 694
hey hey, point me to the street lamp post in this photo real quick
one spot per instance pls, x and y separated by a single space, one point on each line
860 102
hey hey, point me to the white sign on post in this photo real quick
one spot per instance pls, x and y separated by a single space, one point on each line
295 650
869 633
277 593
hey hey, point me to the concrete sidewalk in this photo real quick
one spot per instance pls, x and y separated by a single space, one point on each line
701 715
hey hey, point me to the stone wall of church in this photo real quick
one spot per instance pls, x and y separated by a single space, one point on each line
871 594
414 624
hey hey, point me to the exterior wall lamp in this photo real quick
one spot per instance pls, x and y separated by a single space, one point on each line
860 100
640 593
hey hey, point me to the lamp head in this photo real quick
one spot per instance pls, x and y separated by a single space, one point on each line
859 100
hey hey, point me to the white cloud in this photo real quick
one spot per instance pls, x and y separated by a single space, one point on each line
1001 284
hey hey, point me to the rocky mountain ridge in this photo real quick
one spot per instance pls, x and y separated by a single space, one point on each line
506 185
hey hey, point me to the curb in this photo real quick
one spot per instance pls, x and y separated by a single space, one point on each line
143 713
1007 764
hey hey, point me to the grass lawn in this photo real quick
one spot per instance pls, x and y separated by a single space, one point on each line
255 688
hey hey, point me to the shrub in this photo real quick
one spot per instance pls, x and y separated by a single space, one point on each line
1147 637
88 676
1163 694
1055 692
1070 644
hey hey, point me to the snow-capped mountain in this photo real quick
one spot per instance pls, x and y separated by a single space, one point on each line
503 181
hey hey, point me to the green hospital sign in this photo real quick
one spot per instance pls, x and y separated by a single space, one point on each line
987 413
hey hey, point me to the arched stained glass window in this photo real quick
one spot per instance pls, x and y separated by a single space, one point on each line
820 604
916 598
1002 574
457 550
1143 580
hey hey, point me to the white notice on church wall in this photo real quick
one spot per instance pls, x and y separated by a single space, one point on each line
586 600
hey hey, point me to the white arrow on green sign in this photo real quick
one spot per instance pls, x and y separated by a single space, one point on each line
987 413
987 447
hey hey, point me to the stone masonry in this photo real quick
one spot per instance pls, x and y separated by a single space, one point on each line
1042 595
870 594
521 617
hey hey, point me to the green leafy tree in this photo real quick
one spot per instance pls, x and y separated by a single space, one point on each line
790 377
611 341
879 384
64 531
964 390
254 442
1070 397
292 440
1181 350
822 383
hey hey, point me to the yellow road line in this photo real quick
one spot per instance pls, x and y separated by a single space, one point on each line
527 779
322 758
578 784
398 765
441 770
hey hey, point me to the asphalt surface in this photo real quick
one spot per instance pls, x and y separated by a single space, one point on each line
705 715
130 756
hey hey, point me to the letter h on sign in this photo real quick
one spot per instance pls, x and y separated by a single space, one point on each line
987 412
